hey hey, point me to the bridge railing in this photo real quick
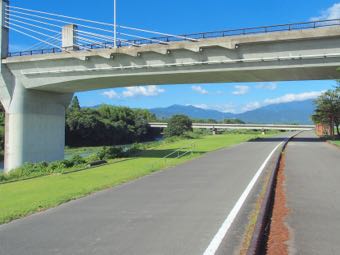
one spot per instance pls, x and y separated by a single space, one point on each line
197 36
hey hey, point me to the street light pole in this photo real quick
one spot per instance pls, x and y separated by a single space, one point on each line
115 23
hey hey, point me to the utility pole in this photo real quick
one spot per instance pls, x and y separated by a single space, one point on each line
115 23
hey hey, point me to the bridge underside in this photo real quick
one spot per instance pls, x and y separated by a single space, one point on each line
35 90
294 72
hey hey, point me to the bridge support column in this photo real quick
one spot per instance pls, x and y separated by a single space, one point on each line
35 127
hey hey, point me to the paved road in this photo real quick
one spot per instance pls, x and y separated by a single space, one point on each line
313 195
177 211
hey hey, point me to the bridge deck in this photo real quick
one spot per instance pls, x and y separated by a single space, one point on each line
194 36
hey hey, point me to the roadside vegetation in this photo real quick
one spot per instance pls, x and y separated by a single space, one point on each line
327 111
98 156
60 184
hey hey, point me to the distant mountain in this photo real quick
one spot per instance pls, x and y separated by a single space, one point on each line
191 111
294 112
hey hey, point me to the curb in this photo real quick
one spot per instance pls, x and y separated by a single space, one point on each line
263 219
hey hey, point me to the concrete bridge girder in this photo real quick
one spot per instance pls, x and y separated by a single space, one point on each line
300 59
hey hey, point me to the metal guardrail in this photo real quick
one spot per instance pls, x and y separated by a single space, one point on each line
240 126
178 153
197 36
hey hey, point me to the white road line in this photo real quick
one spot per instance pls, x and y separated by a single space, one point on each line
216 241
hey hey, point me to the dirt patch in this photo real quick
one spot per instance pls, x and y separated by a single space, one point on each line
279 233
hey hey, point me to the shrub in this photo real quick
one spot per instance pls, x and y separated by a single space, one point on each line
56 166
29 169
78 160
110 153
134 149
2 177
67 163
42 168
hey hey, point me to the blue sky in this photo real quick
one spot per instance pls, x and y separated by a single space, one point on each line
189 16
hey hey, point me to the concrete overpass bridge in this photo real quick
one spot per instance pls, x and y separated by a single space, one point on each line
219 126
37 85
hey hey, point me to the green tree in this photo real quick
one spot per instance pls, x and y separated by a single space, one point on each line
74 105
178 125
328 109
107 125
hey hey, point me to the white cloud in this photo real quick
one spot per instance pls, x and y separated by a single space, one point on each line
201 106
110 94
251 106
293 97
241 90
332 12
258 104
283 99
200 90
269 86
222 108
148 91
226 108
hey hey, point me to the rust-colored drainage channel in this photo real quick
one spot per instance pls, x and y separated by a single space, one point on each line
278 231
271 234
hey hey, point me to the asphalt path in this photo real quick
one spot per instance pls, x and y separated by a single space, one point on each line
313 195
176 211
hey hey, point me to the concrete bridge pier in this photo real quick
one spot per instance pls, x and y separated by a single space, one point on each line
35 120
35 126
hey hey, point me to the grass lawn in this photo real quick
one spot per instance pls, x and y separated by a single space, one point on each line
26 197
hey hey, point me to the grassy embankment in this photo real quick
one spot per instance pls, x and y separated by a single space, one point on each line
22 198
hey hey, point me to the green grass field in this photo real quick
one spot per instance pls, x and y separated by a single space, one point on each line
26 197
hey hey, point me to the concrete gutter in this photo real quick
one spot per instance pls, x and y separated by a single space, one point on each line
258 239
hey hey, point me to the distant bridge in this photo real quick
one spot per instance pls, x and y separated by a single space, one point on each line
214 126
36 86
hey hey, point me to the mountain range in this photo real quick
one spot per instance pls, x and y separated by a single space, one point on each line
285 113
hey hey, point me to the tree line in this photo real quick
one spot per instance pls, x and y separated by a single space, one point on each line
107 125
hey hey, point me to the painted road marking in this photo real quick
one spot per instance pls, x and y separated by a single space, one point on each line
216 241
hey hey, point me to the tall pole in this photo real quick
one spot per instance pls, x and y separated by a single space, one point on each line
115 23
